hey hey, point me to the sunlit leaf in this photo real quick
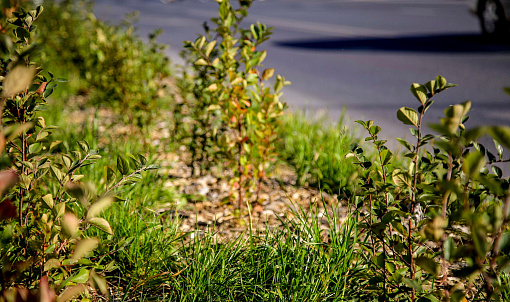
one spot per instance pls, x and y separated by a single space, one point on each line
48 200
408 116
420 92
101 224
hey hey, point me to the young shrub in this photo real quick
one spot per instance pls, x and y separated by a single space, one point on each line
442 218
120 70
234 114
46 208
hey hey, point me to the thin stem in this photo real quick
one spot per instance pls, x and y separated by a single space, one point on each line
413 199
497 240
444 266
123 178
240 166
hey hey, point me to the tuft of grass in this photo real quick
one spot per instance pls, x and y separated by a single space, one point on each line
303 261
316 150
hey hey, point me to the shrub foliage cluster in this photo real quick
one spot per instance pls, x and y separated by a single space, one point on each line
431 227
234 113
445 214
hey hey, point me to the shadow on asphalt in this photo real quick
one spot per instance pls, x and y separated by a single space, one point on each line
442 43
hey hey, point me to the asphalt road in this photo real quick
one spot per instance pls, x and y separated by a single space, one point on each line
361 54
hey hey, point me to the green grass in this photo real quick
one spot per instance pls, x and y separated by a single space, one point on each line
316 150
290 264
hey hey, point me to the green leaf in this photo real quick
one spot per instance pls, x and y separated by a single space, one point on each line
501 134
109 175
408 116
401 178
434 229
404 143
412 284
47 92
454 115
51 264
505 240
458 296
267 74
431 85
142 159
209 47
379 260
474 133
201 62
440 82
41 135
374 130
448 248
54 144
77 177
499 148
429 265
59 209
419 92
48 200
35 148
99 282
473 162
57 173
81 277
386 156
67 160
152 167
17 80
84 146
84 246
97 207
479 239
101 224
94 157
429 297
122 165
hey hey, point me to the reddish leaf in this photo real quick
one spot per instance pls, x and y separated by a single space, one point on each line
7 210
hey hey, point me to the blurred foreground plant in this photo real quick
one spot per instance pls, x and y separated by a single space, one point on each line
45 208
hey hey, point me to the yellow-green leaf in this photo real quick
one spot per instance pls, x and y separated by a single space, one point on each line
267 74
51 263
420 92
201 62
209 47
473 162
48 200
98 206
408 116
84 246
501 134
71 292
70 224
60 209
101 224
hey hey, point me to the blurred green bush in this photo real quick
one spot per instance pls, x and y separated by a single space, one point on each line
117 68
